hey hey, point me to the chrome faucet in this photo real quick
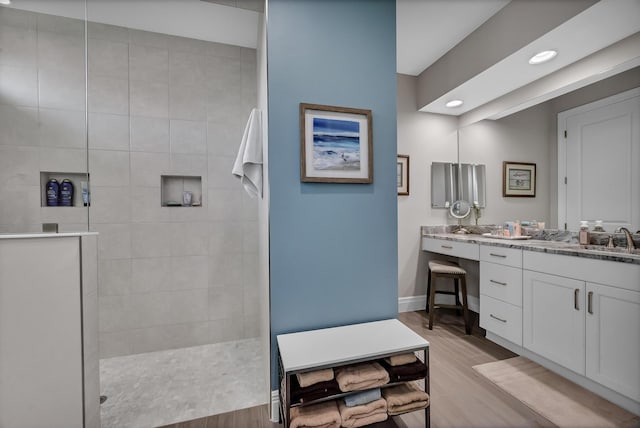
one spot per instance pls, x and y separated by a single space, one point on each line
630 244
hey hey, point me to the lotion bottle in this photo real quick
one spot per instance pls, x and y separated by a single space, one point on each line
583 235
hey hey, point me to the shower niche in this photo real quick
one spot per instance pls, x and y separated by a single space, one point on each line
79 180
181 191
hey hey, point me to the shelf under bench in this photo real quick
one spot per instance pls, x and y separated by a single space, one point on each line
340 346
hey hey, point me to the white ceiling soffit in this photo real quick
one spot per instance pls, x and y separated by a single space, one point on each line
186 18
599 26
426 30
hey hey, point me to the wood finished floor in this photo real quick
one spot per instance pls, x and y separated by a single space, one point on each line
460 397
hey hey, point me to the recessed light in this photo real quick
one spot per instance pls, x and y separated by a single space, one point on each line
543 56
5 2
454 103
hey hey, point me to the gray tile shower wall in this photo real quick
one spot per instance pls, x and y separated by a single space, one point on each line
157 105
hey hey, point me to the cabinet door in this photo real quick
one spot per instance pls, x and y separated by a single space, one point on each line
553 318
613 342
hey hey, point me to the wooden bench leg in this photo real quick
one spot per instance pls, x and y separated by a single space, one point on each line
428 291
456 290
467 324
432 299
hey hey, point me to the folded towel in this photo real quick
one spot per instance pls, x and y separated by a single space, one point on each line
406 372
367 420
398 360
312 392
248 164
321 415
309 378
364 397
377 406
404 398
361 376
362 415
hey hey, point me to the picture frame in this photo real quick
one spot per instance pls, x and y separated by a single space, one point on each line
518 179
336 144
402 174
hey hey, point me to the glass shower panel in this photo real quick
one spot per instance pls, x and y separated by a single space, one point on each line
43 133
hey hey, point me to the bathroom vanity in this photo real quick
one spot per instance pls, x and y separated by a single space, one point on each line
49 373
572 309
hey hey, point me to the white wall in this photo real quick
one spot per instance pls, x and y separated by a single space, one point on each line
425 138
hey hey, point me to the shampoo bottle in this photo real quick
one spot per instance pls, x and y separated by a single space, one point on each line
66 193
53 193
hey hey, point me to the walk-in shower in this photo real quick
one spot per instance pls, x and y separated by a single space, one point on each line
136 116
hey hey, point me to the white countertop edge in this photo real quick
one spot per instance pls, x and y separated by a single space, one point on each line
45 235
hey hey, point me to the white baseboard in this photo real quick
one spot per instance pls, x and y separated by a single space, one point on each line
418 303
412 303
275 406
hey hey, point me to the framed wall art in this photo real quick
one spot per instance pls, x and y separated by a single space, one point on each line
518 179
403 175
336 144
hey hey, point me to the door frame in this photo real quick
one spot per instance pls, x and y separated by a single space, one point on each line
562 144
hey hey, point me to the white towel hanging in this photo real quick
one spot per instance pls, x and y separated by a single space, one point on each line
248 164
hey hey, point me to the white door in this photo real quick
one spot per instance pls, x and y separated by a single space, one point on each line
613 342
553 318
600 157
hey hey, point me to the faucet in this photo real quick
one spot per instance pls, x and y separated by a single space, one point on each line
630 244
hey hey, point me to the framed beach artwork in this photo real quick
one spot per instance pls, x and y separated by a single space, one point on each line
336 144
402 175
518 179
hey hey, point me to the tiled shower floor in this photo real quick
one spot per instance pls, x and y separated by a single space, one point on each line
159 388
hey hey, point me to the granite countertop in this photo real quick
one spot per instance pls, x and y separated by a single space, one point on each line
550 241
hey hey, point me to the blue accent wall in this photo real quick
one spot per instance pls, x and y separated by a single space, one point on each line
333 247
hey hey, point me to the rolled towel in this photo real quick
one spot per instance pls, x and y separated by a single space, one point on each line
361 376
406 372
398 360
309 378
364 414
364 397
321 415
404 398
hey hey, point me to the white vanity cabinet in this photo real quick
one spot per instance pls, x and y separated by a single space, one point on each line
553 319
613 338
501 292
590 328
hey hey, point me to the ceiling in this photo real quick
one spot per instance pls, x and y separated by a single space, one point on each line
428 29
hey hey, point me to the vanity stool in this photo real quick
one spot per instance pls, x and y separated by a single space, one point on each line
444 269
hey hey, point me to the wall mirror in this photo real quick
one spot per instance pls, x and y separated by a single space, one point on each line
452 182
